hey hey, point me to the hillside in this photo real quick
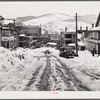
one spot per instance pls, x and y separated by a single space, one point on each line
26 18
54 23
44 19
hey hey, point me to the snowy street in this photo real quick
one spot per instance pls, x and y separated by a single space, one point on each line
33 70
54 76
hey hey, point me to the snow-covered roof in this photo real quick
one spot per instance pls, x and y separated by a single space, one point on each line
52 43
7 28
94 29
71 44
33 41
79 36
22 35
79 43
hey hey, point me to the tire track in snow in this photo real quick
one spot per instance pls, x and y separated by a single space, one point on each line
44 83
34 80
89 74
61 77
76 81
58 80
66 78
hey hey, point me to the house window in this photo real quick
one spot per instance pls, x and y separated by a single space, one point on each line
5 44
6 33
68 35
99 35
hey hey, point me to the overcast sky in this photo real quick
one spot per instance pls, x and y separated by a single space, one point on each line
16 9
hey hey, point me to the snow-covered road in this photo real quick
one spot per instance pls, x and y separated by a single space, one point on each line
33 70
54 76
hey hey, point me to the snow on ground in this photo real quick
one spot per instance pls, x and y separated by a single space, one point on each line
17 67
86 68
47 18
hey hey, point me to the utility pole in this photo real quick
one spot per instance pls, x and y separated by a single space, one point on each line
76 44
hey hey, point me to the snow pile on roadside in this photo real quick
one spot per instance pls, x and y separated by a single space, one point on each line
17 67
86 68
88 62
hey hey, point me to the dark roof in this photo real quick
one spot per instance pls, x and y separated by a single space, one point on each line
10 24
97 20
1 18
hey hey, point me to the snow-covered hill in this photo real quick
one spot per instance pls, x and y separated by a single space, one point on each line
26 18
54 23
44 19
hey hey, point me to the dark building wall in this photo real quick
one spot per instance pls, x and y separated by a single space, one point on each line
1 22
69 37
17 40
31 31
0 37
93 41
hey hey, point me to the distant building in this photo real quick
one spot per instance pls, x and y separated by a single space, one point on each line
8 39
28 35
1 24
68 36
93 39
31 30
26 41
0 36
81 46
15 33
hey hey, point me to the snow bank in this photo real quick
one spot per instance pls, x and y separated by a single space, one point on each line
86 68
17 67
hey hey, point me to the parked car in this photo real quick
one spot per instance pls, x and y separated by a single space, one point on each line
67 52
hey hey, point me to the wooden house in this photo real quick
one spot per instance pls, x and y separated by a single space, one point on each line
93 39
28 35
1 24
9 36
68 36
31 30
15 33
8 40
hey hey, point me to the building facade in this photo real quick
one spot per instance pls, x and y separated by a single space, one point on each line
68 36
31 30
15 33
93 40
8 39
28 35
1 24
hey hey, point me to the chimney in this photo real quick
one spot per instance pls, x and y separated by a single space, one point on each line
92 25
65 29
86 27
81 28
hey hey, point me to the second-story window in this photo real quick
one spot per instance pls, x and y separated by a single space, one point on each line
5 32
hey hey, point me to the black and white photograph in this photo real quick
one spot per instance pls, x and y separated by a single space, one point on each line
50 46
